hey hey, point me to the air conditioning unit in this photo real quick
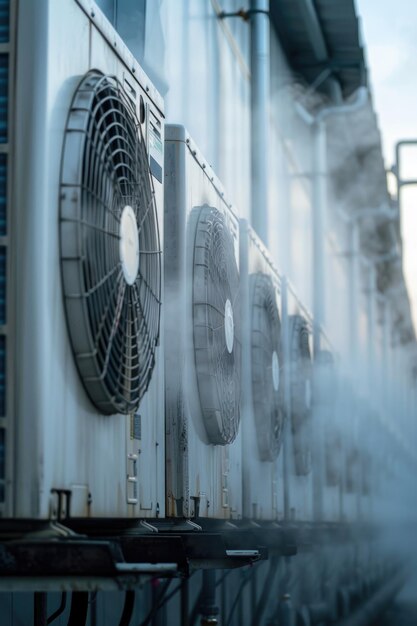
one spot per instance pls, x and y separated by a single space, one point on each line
82 425
202 337
263 408
350 415
300 451
328 416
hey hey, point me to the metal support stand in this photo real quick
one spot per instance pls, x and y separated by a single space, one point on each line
128 607
260 92
208 607
79 609
185 603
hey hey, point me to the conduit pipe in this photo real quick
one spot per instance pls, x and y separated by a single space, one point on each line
260 93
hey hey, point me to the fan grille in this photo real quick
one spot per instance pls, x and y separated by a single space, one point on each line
113 322
266 353
301 387
216 326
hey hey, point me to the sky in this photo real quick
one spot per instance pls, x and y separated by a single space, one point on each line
390 35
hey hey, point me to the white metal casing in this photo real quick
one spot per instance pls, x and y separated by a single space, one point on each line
198 473
60 439
263 481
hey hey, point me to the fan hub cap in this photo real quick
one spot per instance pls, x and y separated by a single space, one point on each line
129 245
229 326
275 370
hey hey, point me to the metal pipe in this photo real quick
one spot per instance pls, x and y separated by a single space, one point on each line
319 216
128 607
260 92
39 608
371 321
287 396
208 607
185 621
79 608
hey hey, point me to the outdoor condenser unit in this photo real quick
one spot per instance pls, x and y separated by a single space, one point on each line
331 439
202 337
299 448
262 375
82 425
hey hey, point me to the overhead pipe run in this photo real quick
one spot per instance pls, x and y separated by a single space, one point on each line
258 17
260 92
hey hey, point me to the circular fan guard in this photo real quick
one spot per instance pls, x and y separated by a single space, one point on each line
216 326
266 355
110 247
301 388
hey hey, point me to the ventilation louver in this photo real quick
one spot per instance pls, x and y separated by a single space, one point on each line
301 393
110 249
266 358
216 326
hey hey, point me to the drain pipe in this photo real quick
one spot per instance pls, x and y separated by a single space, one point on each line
260 92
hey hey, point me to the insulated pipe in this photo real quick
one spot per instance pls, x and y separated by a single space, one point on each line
260 92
